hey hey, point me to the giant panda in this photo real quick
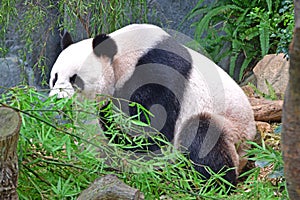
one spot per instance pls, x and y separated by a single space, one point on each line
196 105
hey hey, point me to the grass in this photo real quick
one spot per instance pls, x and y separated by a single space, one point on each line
62 150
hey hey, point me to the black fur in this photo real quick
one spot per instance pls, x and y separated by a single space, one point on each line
77 82
151 94
103 45
170 59
167 65
55 79
72 79
218 158
66 40
104 113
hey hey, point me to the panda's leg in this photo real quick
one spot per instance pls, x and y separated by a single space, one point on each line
209 144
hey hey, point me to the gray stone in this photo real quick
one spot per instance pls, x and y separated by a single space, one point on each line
171 14
45 32
11 73
275 70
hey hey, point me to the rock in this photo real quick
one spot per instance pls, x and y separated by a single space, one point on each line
11 73
172 18
263 127
273 69
110 187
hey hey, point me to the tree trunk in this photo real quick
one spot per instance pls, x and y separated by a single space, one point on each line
291 115
10 122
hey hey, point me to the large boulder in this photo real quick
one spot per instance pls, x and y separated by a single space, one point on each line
11 73
274 70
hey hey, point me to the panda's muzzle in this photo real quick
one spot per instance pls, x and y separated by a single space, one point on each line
62 92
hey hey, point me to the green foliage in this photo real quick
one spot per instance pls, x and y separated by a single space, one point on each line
102 16
62 149
271 95
251 28
7 12
266 181
266 156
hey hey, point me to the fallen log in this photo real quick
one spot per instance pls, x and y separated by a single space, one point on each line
266 110
10 122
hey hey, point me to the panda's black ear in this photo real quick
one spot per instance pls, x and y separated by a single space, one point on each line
66 40
104 45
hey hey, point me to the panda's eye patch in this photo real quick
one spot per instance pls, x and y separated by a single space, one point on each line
77 82
73 78
55 79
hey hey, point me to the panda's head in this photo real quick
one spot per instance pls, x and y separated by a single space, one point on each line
84 66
